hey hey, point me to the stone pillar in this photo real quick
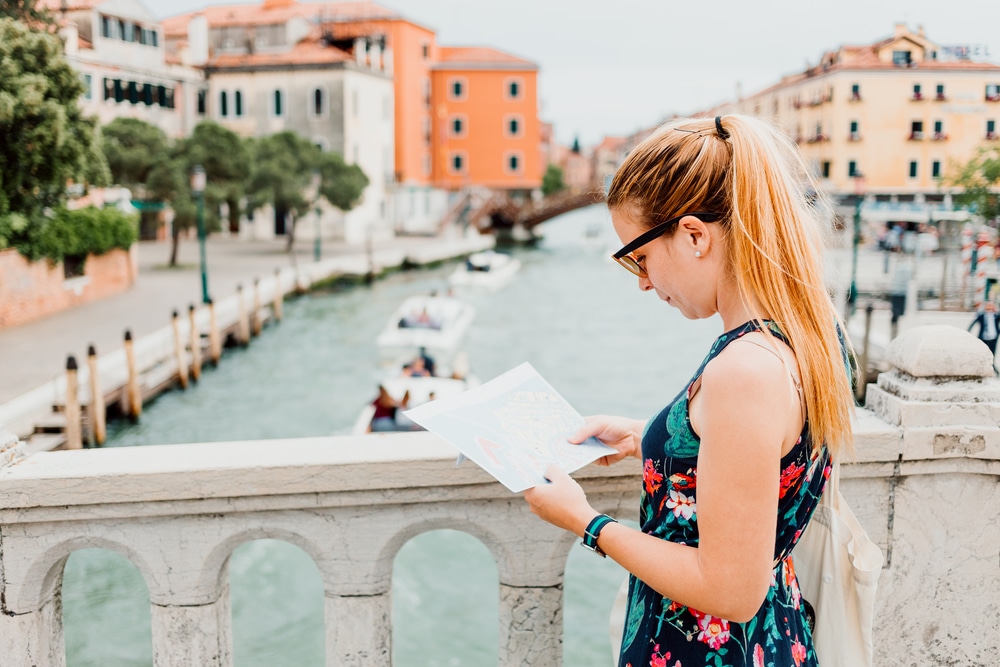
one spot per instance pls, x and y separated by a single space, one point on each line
938 590
531 626
358 630
193 634
34 638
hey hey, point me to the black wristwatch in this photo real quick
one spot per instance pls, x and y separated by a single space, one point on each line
593 530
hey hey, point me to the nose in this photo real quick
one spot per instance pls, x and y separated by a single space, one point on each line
644 284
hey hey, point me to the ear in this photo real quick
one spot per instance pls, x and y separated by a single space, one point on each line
695 234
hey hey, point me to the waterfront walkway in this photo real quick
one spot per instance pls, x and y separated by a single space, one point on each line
34 354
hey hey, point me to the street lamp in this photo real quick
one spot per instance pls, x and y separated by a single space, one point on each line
198 179
852 293
317 181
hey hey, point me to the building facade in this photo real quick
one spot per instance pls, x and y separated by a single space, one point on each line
117 46
885 120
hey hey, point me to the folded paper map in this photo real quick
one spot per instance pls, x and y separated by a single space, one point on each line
513 426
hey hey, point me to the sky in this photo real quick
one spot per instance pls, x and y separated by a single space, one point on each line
611 67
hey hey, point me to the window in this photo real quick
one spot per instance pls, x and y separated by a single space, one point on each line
825 169
513 126
936 169
88 87
166 96
128 31
223 104
238 103
457 126
916 130
917 94
993 92
939 92
855 92
913 168
457 162
991 129
277 106
119 26
854 134
854 127
106 30
73 266
425 50
109 89
513 89
513 162
153 38
119 91
852 169
202 102
147 94
318 102
133 92
456 89
901 58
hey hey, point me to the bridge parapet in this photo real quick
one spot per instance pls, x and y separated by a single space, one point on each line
928 462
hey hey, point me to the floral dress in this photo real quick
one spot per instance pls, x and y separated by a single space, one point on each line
662 633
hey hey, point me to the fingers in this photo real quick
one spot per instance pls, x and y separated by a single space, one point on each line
593 426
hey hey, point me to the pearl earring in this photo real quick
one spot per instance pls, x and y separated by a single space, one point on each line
697 253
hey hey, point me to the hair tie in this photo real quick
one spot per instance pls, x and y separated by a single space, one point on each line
723 134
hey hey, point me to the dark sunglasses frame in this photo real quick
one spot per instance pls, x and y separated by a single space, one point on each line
654 233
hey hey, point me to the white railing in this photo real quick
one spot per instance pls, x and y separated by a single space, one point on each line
924 485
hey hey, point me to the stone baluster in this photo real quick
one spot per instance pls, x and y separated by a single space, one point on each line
358 630
193 634
939 530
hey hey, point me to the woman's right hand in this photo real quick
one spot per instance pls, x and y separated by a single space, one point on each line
621 433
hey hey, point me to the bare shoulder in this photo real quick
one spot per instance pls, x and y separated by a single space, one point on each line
755 363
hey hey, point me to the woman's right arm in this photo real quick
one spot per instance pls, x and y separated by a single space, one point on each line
621 433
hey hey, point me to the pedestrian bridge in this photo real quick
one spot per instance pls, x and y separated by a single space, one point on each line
928 457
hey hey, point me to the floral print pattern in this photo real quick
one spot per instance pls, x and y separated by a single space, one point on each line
663 633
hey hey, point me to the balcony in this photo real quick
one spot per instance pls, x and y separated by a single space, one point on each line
178 512
940 97
854 136
916 136
993 98
991 136
817 138
917 97
939 136
855 97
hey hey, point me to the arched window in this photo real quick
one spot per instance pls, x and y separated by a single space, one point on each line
223 104
278 107
318 102
238 103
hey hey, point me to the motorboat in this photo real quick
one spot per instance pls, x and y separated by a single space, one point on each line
488 268
405 390
435 324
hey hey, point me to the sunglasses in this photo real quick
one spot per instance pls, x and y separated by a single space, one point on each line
628 260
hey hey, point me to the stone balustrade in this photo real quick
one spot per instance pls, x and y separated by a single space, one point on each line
924 484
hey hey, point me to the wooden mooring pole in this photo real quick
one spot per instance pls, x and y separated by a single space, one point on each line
182 368
71 411
214 339
278 296
132 397
257 322
97 412
243 324
195 345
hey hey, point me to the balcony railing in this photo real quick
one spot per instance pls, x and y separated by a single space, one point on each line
916 136
178 512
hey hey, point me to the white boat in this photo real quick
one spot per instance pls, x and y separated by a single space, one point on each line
437 324
488 268
397 394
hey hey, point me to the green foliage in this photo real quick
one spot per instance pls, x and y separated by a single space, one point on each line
83 231
27 11
342 184
47 142
552 181
283 164
226 160
133 148
979 180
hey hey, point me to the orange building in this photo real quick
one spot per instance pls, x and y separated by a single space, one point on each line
485 128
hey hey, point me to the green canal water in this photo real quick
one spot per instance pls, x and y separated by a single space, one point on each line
571 311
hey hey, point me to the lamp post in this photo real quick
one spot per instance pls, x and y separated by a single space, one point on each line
852 292
198 188
317 180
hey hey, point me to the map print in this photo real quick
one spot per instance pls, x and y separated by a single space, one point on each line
513 427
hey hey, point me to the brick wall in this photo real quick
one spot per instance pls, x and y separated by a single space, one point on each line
32 290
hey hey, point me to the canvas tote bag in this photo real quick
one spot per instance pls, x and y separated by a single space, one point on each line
838 566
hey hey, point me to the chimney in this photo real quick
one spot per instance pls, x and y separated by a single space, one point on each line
198 40
900 30
920 31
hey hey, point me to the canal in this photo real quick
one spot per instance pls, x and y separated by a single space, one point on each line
571 311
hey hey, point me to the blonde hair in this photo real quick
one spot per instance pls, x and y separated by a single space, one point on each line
751 173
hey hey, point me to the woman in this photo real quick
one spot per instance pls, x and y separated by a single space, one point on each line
718 217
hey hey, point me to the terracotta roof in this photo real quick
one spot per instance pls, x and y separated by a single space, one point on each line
611 144
272 12
478 54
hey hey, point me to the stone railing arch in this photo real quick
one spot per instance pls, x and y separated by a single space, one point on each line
931 430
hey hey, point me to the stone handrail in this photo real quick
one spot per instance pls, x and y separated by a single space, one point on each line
924 485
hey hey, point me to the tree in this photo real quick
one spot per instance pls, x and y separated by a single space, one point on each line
226 159
47 141
552 181
283 166
27 11
133 148
979 179
342 184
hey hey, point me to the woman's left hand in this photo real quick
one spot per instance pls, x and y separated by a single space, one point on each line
561 502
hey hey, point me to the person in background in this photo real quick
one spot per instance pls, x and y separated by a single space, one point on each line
715 221
988 321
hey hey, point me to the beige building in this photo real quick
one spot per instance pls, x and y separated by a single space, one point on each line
887 120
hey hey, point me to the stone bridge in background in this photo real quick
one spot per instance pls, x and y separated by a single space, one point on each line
512 218
925 485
